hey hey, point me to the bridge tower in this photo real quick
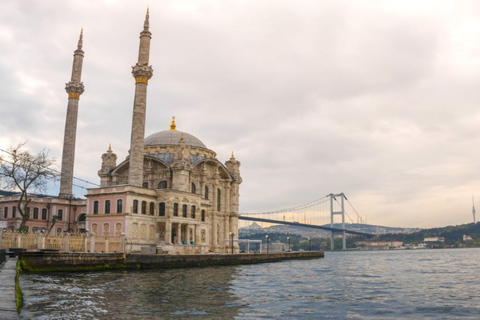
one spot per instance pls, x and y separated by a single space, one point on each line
332 214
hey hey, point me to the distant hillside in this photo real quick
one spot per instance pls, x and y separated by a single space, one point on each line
453 235
255 228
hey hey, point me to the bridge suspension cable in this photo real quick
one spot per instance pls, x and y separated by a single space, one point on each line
300 207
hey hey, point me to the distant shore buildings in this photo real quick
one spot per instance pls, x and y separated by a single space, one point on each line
171 191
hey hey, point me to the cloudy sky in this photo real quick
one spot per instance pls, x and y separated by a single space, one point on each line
376 99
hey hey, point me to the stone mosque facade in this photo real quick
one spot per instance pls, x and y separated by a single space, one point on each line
171 192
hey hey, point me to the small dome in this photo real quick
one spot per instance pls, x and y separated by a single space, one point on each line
172 137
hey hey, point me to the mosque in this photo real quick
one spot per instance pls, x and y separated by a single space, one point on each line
170 192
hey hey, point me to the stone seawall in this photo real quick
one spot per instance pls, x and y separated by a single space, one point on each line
78 261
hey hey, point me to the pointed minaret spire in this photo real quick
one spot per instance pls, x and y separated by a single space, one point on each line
142 72
74 89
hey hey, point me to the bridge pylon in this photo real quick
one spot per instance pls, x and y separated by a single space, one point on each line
332 214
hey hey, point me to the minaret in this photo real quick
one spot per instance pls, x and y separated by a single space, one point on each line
473 209
74 89
142 72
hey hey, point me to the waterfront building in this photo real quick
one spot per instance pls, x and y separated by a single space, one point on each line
171 192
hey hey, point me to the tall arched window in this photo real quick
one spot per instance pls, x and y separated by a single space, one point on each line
14 212
219 200
194 188
203 215
161 209
95 207
144 207
135 206
184 210
107 206
119 206
192 212
44 214
206 192
152 208
5 212
60 214
162 184
175 209
35 213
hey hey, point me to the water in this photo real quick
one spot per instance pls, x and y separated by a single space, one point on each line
409 284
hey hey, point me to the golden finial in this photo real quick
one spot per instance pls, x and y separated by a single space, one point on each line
81 31
172 125
148 10
110 147
233 157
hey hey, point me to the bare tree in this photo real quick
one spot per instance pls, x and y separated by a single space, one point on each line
27 173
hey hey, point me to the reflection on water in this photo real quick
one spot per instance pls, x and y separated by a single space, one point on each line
151 294
407 284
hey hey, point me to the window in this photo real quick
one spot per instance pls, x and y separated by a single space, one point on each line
59 230
161 209
60 214
206 192
107 206
184 210
144 207
152 208
203 215
14 211
175 209
219 200
44 214
145 185
135 206
35 213
193 212
95 207
194 188
119 206
162 184
27 209
5 212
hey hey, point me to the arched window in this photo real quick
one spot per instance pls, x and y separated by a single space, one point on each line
82 217
60 214
119 206
144 207
184 210
175 209
44 214
203 215
206 192
95 207
161 209
194 188
152 208
192 208
162 184
135 206
145 185
219 200
35 213
5 212
14 211
107 206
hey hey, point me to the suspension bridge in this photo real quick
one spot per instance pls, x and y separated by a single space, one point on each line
317 214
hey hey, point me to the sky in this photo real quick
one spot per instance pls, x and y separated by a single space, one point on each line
379 100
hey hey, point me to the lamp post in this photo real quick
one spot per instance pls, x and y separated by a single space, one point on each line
288 238
231 237
309 244
267 238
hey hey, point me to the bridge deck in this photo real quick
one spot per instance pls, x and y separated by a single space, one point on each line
305 225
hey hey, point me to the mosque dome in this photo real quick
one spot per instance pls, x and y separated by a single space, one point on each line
172 137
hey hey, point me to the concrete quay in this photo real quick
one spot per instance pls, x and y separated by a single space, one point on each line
83 261
8 306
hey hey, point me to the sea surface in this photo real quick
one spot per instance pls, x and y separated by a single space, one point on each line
405 284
